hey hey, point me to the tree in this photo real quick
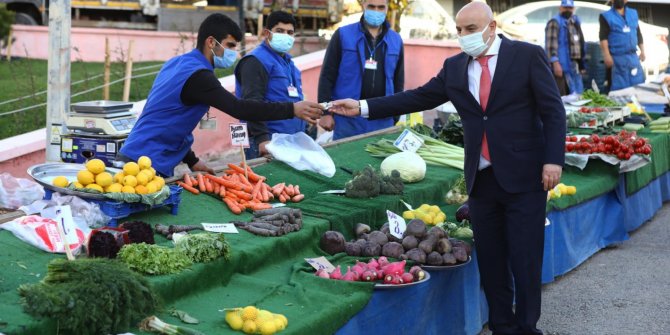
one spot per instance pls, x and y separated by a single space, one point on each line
6 20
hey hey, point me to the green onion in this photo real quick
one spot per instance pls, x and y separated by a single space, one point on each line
433 151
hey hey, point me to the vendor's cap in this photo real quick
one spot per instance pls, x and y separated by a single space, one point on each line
567 3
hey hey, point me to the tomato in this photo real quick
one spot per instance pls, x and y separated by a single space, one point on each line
583 139
573 138
595 138
646 150
569 147
567 139
627 156
621 155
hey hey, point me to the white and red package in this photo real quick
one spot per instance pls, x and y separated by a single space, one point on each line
43 233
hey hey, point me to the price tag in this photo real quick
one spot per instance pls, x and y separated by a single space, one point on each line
397 224
220 228
239 137
320 263
66 223
407 141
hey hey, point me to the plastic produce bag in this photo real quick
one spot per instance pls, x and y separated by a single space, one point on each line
16 192
301 153
84 213
43 233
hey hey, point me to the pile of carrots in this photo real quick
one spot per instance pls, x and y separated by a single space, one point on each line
241 188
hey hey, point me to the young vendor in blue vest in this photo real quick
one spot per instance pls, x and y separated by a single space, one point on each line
363 60
620 36
183 93
268 74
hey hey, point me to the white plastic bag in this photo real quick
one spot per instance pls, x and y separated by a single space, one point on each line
16 192
302 153
84 213
43 233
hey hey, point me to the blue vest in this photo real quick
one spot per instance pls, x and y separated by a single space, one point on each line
281 73
350 77
164 130
563 42
623 47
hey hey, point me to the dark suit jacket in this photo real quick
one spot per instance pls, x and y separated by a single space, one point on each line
524 120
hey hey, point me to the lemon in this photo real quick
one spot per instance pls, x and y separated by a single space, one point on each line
249 313
95 187
249 327
144 162
114 188
95 166
408 215
85 177
424 207
128 189
434 209
234 320
570 190
130 181
279 324
142 178
78 185
268 327
141 189
60 181
160 181
118 177
283 319
104 179
264 315
152 187
131 169
440 217
151 174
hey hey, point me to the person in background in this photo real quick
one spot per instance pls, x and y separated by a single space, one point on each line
363 60
183 92
620 36
514 133
268 74
565 48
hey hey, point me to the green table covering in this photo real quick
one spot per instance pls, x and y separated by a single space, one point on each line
660 162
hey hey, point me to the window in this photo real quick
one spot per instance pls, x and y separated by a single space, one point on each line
588 15
542 15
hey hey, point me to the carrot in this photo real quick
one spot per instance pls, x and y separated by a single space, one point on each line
266 194
257 189
187 180
241 195
257 206
188 187
208 186
244 180
278 189
236 168
201 183
298 198
253 176
282 198
217 187
222 191
229 171
289 190
230 184
297 190
232 205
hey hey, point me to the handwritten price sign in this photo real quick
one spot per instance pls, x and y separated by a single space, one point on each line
320 263
238 135
407 141
397 224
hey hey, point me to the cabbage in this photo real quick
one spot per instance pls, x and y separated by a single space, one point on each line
411 166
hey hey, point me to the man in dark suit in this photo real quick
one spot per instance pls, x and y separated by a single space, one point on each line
514 125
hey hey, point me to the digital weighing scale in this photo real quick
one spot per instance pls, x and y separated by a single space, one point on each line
101 117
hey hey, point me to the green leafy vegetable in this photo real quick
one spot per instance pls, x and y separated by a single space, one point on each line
153 259
89 296
598 99
201 248
433 151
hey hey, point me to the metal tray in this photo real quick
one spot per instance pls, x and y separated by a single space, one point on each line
445 267
380 286
44 174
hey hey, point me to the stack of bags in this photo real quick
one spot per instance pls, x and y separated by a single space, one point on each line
660 125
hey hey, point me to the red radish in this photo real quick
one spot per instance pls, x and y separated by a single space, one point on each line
407 277
397 280
336 274
368 276
322 273
357 275
383 261
359 267
373 264
349 276
397 268
417 272
380 274
388 279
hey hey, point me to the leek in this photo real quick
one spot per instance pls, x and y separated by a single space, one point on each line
433 151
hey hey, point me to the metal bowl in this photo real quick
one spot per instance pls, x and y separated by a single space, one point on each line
44 174
445 267
381 286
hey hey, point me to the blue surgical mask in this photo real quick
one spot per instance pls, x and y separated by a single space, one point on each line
281 42
374 18
474 44
226 60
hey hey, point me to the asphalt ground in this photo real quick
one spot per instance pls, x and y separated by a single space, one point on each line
623 289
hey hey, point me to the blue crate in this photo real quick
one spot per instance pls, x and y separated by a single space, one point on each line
654 108
119 210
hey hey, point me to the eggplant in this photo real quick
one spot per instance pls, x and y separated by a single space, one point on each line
463 213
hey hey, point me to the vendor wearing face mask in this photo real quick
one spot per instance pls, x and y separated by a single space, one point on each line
183 92
268 74
363 60
564 45
620 36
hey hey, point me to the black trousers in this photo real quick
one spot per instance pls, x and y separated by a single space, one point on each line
509 239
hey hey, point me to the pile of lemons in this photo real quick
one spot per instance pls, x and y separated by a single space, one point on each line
136 178
252 320
430 215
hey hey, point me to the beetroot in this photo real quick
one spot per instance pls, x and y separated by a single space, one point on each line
407 278
396 268
336 274
417 272
393 250
332 242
